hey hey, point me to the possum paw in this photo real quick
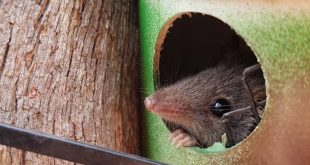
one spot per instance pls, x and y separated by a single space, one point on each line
182 139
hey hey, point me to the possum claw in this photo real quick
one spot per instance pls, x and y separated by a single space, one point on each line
182 139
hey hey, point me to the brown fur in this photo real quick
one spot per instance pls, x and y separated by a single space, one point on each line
186 103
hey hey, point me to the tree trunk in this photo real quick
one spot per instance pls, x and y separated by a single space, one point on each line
68 68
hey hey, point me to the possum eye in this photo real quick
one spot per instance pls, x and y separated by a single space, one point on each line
219 107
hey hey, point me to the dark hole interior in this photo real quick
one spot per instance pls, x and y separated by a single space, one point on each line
195 42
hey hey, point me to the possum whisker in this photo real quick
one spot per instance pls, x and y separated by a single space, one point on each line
203 108
197 116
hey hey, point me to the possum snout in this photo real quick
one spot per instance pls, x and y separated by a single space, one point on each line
154 104
150 103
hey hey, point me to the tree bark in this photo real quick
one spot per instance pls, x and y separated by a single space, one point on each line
68 68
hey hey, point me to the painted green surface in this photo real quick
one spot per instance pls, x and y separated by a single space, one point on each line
278 34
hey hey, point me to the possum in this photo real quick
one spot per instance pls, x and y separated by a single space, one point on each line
193 106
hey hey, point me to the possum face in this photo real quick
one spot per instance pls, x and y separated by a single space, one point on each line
197 103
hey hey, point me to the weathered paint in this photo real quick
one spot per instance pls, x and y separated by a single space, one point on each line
279 34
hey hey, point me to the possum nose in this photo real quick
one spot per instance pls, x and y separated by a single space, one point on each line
149 103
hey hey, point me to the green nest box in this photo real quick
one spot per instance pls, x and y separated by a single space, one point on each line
181 36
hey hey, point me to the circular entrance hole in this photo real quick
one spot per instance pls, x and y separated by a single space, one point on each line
192 43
